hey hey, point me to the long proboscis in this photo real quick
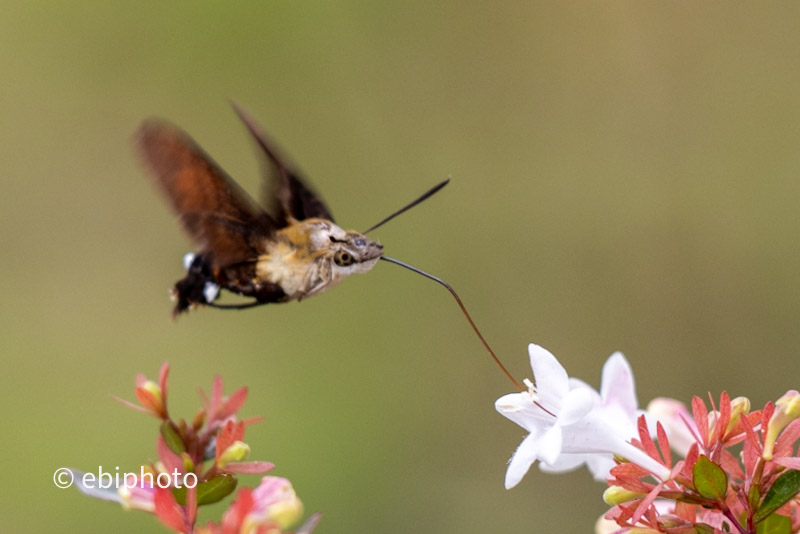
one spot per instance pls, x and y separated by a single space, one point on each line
452 291
410 205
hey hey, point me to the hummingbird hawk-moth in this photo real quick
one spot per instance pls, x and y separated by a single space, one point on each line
292 252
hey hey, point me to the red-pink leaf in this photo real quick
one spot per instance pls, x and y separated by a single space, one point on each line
234 402
149 401
785 442
224 438
646 441
140 380
168 510
249 467
230 432
191 505
724 416
238 510
163 374
170 460
626 511
310 524
686 511
700 415
204 399
691 427
792 463
129 404
731 465
663 444
252 420
238 431
751 450
643 506
216 397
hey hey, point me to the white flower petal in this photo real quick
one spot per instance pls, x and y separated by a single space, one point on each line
519 408
552 381
617 385
512 403
93 490
550 444
565 462
521 461
577 383
600 465
576 405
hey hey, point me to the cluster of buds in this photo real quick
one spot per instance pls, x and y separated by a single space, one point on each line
738 472
739 469
198 464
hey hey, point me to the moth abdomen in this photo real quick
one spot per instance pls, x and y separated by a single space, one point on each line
199 286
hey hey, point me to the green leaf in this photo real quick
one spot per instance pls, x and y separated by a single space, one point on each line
709 479
775 524
210 491
782 491
172 438
702 528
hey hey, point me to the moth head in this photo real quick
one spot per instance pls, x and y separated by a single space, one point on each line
348 252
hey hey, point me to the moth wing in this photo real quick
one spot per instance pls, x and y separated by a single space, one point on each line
218 215
290 197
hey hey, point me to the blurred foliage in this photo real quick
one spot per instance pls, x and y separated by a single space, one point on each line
624 177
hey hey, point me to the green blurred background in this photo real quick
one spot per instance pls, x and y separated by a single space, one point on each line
624 177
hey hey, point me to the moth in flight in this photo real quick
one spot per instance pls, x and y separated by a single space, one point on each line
291 252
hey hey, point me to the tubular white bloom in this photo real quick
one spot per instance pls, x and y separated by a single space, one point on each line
571 424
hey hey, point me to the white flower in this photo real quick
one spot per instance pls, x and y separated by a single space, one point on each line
571 424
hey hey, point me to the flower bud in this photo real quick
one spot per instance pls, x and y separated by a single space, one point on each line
198 420
614 495
276 501
188 463
149 395
790 404
238 451
739 406
787 409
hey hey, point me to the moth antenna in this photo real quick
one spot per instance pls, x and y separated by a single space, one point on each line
407 207
455 296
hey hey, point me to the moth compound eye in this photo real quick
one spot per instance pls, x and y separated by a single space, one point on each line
360 242
343 258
